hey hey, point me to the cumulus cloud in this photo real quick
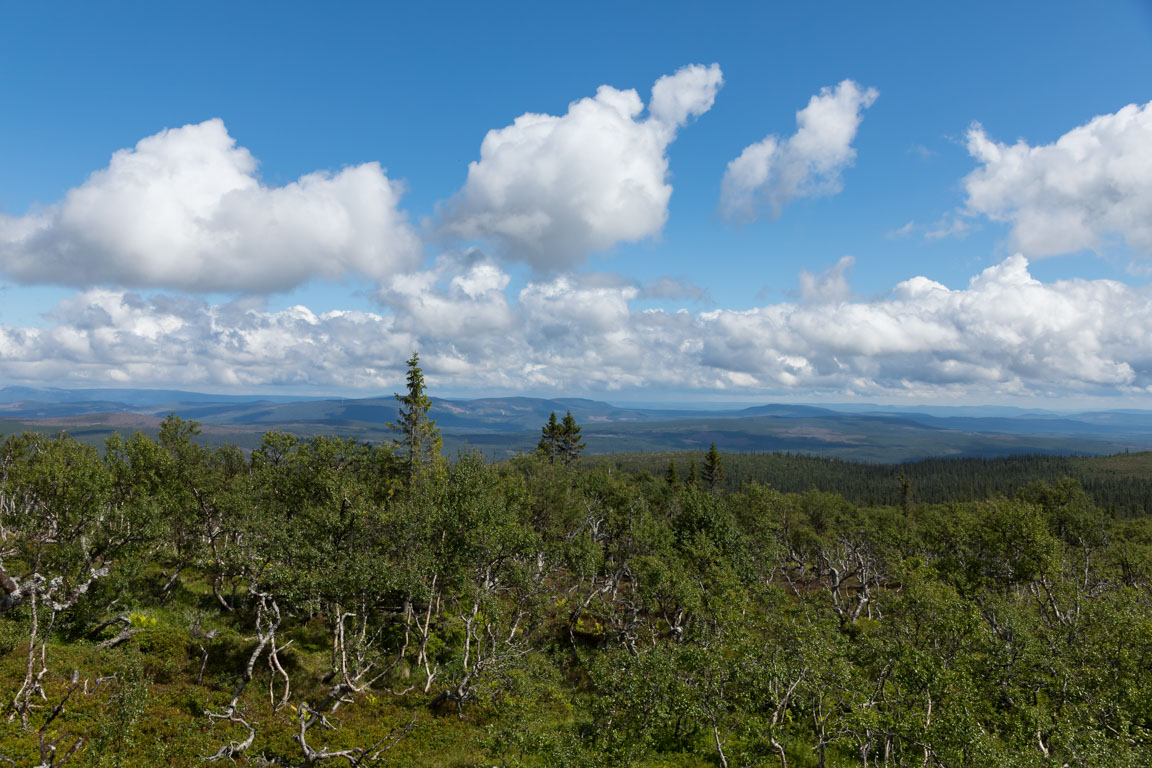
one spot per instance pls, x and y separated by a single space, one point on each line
1004 333
184 209
461 297
1092 185
773 171
106 336
548 190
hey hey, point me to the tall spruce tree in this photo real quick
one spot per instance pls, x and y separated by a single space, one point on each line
713 474
419 437
570 445
672 477
905 490
549 444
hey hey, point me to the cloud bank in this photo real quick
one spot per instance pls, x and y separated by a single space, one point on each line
1004 334
773 172
1092 185
548 190
185 210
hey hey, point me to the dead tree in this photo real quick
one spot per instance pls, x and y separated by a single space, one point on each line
45 604
267 623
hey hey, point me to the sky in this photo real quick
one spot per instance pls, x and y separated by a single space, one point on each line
897 202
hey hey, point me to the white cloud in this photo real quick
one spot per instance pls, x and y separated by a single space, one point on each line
460 298
105 336
1006 333
548 190
829 287
683 96
1090 186
773 172
184 209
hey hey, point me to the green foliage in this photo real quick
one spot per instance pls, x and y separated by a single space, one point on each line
570 446
419 438
549 445
713 475
1120 485
560 441
117 739
536 613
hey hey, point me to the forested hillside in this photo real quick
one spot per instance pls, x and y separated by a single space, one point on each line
323 601
502 427
1120 484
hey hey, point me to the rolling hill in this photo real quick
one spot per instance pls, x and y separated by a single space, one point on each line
504 426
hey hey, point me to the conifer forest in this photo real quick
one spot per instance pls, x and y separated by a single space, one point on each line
324 601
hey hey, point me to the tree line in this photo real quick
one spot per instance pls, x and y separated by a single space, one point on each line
1123 492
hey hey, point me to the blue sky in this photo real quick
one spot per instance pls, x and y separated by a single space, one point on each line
651 270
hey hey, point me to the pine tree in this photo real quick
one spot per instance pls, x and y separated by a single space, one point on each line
713 474
419 437
549 444
671 477
570 446
693 477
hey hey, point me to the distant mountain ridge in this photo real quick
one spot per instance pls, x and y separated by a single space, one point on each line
141 397
504 426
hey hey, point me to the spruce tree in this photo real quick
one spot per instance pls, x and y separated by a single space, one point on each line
570 445
693 477
905 490
549 444
713 474
671 476
419 437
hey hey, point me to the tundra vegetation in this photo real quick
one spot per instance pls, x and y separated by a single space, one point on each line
326 601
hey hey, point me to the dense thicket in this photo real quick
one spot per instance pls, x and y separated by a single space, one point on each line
166 604
1110 482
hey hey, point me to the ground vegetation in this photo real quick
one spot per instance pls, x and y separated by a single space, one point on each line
309 603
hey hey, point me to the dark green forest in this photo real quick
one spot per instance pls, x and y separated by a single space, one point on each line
326 601
1121 485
